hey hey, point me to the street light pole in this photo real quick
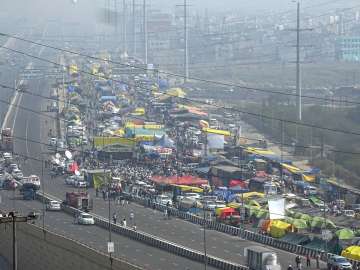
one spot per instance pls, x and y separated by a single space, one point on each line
14 246
204 240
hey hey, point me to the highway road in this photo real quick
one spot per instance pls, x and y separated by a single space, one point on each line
125 248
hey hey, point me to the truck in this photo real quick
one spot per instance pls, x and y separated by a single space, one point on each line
7 139
79 200
261 258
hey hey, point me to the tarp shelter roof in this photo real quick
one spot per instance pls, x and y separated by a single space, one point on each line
295 238
217 131
106 98
345 234
202 170
165 141
179 180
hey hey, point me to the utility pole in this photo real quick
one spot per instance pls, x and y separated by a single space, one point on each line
298 84
134 26
12 218
145 33
186 56
124 26
116 21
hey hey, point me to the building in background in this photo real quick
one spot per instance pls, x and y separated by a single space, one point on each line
348 49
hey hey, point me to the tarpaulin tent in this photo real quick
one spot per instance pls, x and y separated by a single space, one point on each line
237 182
345 234
319 222
300 224
217 131
225 211
296 238
179 180
352 252
279 228
165 141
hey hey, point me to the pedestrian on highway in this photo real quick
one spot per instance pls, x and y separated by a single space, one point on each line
114 218
297 261
132 217
124 222
308 261
317 258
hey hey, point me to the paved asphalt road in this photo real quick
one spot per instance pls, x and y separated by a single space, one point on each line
132 251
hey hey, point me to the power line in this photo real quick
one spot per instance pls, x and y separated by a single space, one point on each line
159 71
204 103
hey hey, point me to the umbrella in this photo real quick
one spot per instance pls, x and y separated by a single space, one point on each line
300 224
345 234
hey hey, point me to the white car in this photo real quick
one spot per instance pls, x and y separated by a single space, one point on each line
85 219
53 206
164 199
80 184
70 180
7 156
17 174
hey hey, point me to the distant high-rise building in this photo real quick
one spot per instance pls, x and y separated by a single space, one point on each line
348 49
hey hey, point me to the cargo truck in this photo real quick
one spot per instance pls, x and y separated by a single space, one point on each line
7 140
79 200
261 258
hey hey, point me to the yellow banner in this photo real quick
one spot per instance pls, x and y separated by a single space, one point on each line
217 131
103 141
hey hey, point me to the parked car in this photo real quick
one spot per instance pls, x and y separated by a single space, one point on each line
338 262
12 167
17 174
70 180
53 206
85 219
80 184
164 199
349 213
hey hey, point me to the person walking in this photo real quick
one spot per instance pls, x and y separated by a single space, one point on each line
114 217
124 222
297 261
132 217
308 261
317 258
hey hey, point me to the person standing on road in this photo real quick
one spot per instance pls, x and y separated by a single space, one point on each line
114 218
124 222
317 257
308 261
297 261
132 217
